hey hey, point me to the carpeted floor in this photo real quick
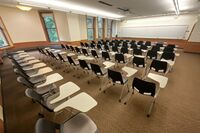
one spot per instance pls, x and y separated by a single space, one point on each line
177 109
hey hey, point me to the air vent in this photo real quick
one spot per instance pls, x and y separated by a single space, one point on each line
104 3
125 10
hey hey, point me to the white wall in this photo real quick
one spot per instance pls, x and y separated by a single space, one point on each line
167 23
195 35
83 27
62 25
22 26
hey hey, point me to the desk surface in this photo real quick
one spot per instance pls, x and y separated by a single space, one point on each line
130 71
82 102
50 79
108 64
66 90
42 71
34 66
158 78
82 57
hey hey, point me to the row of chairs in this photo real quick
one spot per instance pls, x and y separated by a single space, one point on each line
115 76
44 92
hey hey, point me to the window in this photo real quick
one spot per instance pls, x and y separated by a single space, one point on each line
90 28
50 27
3 40
109 28
100 27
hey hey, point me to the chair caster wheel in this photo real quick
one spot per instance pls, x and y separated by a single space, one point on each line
40 115
33 101
148 115
125 103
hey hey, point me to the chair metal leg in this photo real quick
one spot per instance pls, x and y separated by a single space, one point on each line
122 92
151 107
129 96
153 102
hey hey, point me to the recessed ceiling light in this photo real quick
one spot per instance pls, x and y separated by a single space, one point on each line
24 8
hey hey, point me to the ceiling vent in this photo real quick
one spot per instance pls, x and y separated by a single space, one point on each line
123 9
104 3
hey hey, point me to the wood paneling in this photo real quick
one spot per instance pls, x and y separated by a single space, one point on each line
192 47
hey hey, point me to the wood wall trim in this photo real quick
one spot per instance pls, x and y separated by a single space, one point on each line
192 47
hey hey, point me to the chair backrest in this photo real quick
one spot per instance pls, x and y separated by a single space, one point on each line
114 49
67 47
96 69
148 43
159 44
45 126
92 45
52 55
63 46
39 49
72 48
133 46
139 61
60 57
140 43
77 50
125 44
105 55
94 53
152 54
106 47
144 87
143 47
71 61
124 50
49 54
132 42
168 56
42 51
115 76
111 44
86 45
83 64
168 49
84 51
159 66
137 51
155 48
82 44
99 46
171 45
119 58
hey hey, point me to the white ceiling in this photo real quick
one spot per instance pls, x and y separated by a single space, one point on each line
136 7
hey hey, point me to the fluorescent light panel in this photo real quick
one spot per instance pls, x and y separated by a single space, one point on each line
71 6
176 5
24 8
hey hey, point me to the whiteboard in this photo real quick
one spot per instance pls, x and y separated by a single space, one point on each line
163 31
